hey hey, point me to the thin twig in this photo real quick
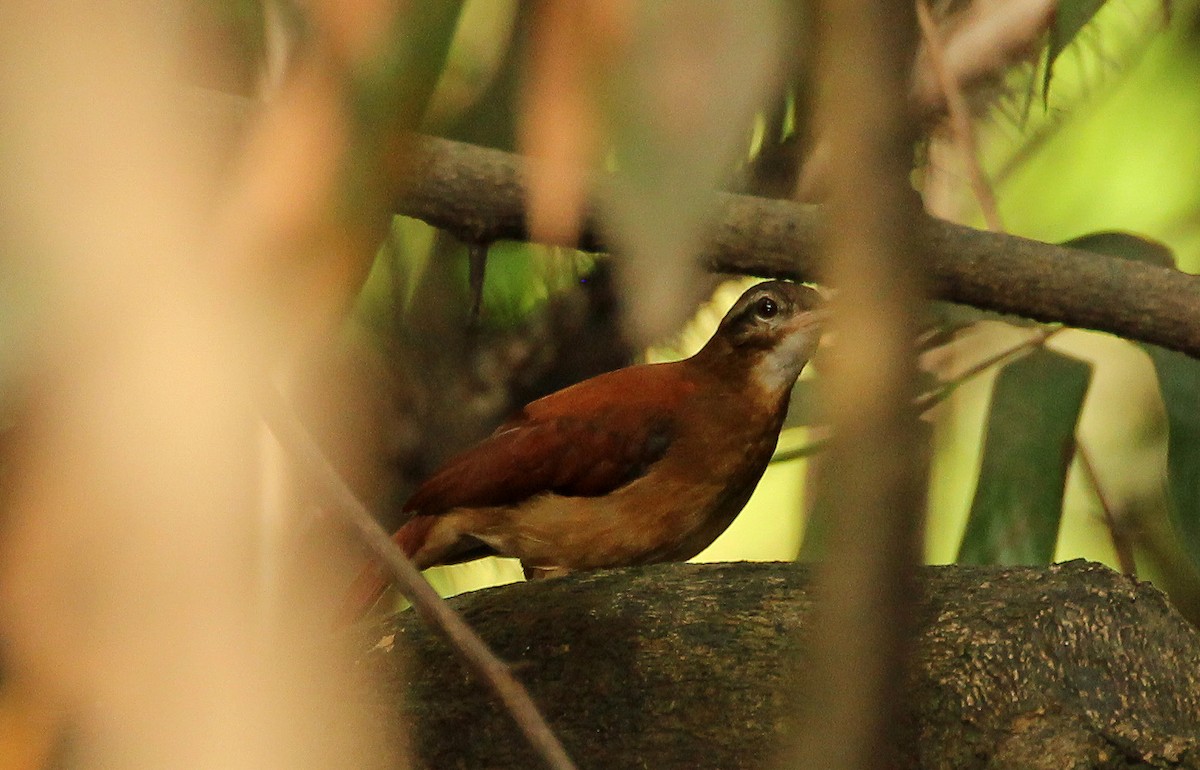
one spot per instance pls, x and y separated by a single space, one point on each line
335 494
1121 543
932 398
961 126
804 450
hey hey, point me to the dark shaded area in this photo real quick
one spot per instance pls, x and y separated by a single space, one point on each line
685 666
409 402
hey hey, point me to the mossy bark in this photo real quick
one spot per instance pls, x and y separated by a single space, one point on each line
687 666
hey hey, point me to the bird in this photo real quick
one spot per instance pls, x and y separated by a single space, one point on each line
645 464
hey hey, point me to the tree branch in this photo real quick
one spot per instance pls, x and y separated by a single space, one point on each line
478 193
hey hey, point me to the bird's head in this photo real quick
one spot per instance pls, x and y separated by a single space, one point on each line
769 334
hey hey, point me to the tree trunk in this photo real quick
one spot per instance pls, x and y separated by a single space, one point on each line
686 666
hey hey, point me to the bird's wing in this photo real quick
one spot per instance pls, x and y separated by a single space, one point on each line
584 441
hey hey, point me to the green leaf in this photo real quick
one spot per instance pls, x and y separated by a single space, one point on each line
1179 386
1116 243
392 89
1070 17
390 93
1029 445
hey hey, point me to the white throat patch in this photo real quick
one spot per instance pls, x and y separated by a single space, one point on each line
778 369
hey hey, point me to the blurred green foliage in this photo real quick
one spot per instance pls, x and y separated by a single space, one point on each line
1070 18
1115 150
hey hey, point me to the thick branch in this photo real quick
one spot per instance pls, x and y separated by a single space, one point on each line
478 193
687 666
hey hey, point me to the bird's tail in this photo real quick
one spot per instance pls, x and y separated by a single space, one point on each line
373 580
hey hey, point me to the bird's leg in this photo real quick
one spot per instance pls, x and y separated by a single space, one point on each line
540 573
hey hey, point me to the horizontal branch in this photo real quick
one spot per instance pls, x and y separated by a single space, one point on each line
478 194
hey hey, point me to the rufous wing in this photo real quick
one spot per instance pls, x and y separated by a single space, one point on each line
584 441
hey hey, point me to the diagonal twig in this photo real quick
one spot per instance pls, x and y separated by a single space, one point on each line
1118 533
932 398
335 494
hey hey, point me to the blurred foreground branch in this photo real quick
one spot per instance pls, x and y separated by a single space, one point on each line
871 483
996 681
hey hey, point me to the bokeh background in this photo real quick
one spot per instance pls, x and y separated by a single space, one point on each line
197 198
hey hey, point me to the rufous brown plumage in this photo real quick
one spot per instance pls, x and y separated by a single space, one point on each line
644 464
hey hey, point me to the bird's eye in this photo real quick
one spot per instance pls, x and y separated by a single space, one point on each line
766 308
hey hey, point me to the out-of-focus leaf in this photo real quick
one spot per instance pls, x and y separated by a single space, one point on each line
1115 243
390 94
559 120
480 53
1070 17
396 85
1029 445
681 107
804 407
1179 386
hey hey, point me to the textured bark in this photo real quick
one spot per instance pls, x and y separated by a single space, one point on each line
684 666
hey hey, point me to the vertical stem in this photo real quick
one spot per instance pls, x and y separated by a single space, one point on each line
875 480
1120 538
